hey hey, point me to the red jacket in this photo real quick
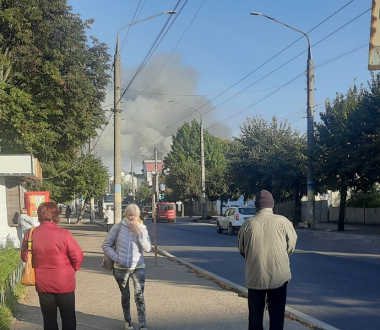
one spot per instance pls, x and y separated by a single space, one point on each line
56 257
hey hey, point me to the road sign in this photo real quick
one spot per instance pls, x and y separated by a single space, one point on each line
162 186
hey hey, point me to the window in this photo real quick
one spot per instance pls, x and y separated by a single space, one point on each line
108 198
247 210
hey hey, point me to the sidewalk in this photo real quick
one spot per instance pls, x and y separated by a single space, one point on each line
176 297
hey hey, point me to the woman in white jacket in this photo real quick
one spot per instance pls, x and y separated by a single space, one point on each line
132 239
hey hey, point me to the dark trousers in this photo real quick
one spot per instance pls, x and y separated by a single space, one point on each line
276 306
138 277
66 304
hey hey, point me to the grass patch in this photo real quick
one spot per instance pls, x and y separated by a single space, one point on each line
9 259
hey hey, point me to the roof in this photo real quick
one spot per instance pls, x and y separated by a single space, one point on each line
150 166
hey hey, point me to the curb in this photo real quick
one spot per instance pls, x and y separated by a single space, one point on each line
328 234
243 292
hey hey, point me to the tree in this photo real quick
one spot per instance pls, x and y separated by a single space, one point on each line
89 180
52 84
337 168
187 147
269 156
185 180
365 199
144 194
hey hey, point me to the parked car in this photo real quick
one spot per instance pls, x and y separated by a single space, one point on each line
146 211
233 218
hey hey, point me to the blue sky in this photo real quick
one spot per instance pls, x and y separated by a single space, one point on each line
210 47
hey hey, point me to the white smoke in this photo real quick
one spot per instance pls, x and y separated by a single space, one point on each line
148 117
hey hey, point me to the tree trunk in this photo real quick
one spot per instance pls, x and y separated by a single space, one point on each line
342 207
297 207
80 215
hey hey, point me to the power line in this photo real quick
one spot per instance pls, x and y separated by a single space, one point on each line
150 52
170 55
262 66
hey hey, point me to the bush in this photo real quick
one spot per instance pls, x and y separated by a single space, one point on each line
9 259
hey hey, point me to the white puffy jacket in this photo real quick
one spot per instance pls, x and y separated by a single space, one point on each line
266 241
129 247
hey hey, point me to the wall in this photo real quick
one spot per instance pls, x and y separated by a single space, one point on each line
356 215
320 208
5 230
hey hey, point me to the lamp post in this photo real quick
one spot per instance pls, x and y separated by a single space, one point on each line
203 170
117 120
310 126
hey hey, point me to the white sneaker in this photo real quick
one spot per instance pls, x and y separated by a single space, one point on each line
128 325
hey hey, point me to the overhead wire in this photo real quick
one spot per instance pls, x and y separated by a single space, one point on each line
174 48
150 52
350 51
262 66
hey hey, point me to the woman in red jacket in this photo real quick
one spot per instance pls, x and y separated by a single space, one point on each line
56 258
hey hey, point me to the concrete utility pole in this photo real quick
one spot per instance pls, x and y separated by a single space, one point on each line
310 126
117 121
133 184
203 173
154 213
92 210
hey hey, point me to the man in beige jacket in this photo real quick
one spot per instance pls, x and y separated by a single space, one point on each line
266 241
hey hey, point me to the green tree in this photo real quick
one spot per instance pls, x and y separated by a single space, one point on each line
144 194
52 84
269 156
187 147
365 199
185 180
337 166
89 180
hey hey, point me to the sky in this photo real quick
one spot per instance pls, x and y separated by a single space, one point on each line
224 63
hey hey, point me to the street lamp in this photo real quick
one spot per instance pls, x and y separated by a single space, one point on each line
117 120
310 126
203 170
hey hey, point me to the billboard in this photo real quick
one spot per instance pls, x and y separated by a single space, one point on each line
33 199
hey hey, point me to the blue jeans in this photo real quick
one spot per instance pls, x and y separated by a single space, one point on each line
138 277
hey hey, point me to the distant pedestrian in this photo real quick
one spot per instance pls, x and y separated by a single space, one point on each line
56 258
25 221
266 241
109 218
132 239
68 213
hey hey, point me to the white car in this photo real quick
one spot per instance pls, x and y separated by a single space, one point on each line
233 218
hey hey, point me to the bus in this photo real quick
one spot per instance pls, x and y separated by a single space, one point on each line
103 203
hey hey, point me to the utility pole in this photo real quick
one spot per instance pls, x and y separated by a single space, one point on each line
133 184
310 125
310 141
117 136
203 174
92 211
154 213
117 120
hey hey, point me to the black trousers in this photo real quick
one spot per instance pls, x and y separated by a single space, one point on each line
66 304
276 306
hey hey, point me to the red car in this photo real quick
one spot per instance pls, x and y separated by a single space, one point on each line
166 211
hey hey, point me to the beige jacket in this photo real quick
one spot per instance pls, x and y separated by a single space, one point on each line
266 241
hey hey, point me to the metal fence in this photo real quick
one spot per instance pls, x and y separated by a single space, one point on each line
9 285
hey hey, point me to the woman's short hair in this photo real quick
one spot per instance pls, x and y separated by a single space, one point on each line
48 211
132 209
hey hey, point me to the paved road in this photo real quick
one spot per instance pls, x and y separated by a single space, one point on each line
334 280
